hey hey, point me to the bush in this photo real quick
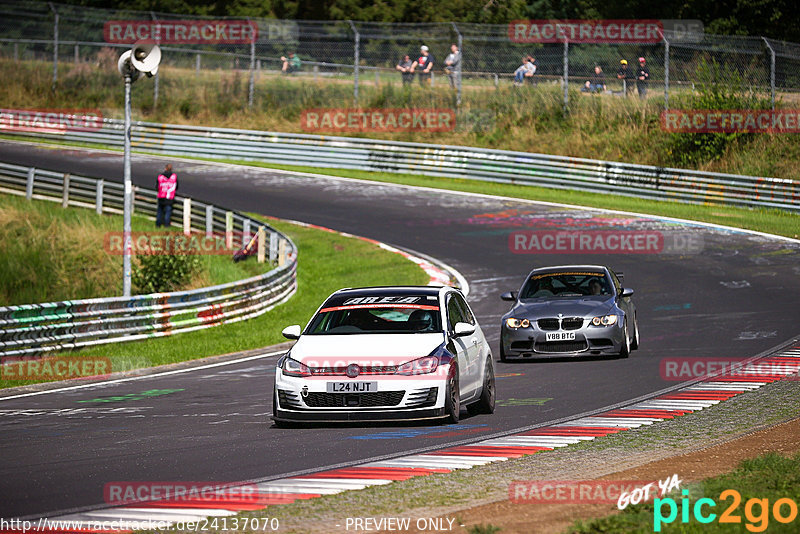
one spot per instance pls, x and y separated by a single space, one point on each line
161 273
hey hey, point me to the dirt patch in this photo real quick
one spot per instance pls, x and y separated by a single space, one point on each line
539 518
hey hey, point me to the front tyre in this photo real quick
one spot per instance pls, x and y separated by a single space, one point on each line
452 400
486 402
635 342
625 351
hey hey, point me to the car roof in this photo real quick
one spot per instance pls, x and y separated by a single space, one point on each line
389 291
558 268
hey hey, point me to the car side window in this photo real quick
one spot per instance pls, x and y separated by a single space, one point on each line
615 280
453 311
466 313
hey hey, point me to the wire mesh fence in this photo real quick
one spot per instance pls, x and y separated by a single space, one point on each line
367 53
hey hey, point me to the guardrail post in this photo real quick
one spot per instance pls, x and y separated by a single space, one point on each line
98 197
262 242
281 251
29 183
245 231
209 220
187 216
273 247
228 229
65 191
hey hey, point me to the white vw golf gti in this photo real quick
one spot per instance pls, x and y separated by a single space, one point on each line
384 353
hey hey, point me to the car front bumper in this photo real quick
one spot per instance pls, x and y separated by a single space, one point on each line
532 342
396 398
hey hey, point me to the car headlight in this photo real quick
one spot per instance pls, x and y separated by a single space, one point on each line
420 366
513 322
294 368
604 320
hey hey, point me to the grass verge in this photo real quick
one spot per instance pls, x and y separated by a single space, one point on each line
327 262
760 483
48 253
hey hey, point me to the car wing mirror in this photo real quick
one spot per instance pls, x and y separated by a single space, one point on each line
292 332
626 292
509 295
463 329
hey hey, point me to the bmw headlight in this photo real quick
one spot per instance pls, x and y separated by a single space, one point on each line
512 322
604 320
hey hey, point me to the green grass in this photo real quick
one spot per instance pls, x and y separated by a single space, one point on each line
772 221
770 476
327 262
48 253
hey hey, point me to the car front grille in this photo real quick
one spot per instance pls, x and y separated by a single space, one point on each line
554 323
349 400
548 324
561 346
571 323
521 345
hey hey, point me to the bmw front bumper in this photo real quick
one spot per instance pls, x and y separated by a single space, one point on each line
531 342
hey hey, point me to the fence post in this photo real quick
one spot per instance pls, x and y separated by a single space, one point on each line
377 76
209 220
187 216
496 81
566 75
771 71
666 74
262 241
98 196
460 65
55 45
355 61
65 191
252 85
29 183
197 65
273 247
316 71
77 58
245 231
228 229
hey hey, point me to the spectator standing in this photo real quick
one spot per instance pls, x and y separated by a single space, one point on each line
404 67
167 184
642 75
290 64
452 65
597 80
626 75
425 65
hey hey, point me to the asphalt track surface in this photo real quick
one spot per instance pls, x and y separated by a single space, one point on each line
734 299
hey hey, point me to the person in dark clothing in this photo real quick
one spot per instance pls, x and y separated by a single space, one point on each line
167 184
598 80
404 67
642 76
425 65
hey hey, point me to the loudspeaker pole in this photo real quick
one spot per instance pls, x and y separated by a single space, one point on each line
127 202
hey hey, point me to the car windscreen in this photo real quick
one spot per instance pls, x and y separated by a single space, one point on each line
566 284
377 318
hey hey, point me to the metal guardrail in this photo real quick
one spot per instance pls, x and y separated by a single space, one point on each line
642 181
39 328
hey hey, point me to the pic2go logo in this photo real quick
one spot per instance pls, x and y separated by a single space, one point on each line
756 511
